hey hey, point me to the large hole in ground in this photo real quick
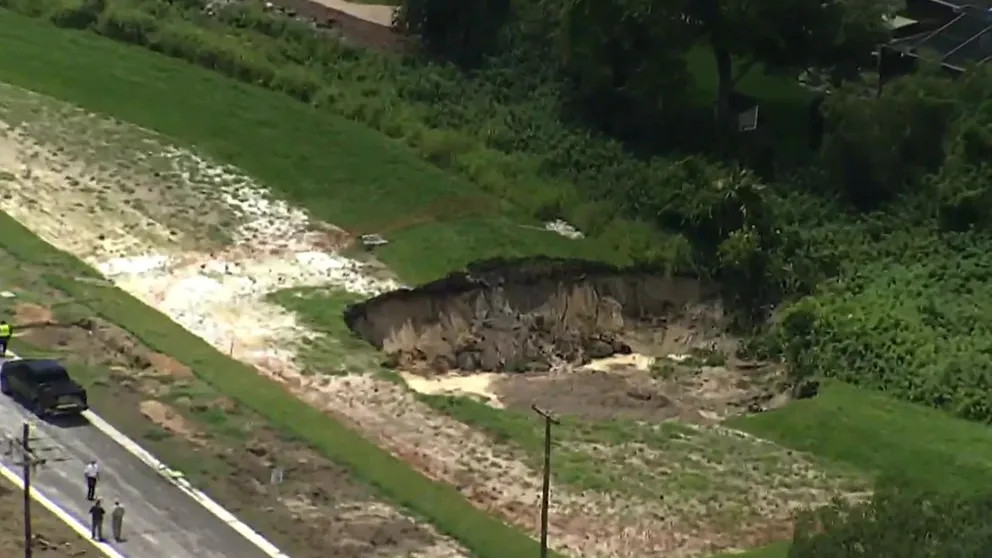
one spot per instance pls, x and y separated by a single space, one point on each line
582 337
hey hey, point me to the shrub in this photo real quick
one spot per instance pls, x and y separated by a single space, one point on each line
78 14
128 25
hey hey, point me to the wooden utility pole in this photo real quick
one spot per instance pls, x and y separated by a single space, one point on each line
28 460
546 490
27 464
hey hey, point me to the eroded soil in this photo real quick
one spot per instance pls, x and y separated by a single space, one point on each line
686 496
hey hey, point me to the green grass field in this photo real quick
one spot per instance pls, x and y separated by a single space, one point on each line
340 171
884 436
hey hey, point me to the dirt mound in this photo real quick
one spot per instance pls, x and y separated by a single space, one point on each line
28 314
519 315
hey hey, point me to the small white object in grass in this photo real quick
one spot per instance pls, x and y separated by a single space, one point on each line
371 240
563 228
7 294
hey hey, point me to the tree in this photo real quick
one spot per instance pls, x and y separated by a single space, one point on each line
639 46
796 34
875 147
625 60
462 31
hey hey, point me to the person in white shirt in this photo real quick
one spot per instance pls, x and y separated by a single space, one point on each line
92 474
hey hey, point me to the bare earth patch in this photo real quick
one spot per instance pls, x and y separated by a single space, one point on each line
169 420
204 245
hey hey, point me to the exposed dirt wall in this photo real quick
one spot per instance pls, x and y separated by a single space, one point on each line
519 314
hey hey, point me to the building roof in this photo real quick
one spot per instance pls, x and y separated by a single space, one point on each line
965 40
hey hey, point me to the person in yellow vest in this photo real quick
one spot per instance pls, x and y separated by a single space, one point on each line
5 332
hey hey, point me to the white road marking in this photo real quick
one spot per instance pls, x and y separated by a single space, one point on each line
67 518
175 477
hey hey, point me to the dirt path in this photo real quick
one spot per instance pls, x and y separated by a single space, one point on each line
204 245
379 14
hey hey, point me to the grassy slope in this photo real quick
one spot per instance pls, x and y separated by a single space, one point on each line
881 435
877 433
342 172
438 502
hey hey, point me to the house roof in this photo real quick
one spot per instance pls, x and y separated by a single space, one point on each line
966 39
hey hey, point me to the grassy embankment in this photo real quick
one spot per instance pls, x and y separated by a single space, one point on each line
342 172
437 502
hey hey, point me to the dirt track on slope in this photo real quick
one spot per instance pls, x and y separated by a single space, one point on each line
364 25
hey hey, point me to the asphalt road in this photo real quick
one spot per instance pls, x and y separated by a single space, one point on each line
160 520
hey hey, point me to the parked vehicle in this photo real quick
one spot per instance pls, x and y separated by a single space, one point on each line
43 385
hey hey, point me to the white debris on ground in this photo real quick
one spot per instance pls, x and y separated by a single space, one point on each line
219 295
563 228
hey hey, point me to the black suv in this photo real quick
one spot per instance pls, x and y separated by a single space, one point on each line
44 385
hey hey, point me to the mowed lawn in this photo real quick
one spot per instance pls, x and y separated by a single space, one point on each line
876 433
342 172
870 431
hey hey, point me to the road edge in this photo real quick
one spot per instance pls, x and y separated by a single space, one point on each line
60 513
177 479
174 477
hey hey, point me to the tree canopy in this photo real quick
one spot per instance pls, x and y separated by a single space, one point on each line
898 523
637 48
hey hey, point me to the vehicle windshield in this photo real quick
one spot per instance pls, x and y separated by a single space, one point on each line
55 376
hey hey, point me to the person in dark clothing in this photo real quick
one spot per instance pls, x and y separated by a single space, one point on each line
117 521
96 515
5 333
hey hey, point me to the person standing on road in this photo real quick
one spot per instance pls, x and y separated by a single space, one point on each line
5 333
96 515
92 474
117 521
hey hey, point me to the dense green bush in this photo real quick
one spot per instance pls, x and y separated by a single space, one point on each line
898 523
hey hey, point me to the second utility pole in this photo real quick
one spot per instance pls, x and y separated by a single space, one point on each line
27 462
546 491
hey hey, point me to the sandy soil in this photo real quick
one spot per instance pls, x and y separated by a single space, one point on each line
380 14
204 245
